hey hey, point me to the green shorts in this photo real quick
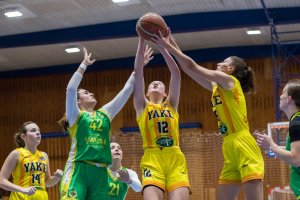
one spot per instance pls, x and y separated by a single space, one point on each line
295 182
83 181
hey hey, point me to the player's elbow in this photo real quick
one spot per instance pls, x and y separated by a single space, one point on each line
140 188
2 182
191 64
296 163
295 159
137 187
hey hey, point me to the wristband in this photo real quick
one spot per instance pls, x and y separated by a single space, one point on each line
83 66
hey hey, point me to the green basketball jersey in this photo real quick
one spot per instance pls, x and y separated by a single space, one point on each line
117 190
90 138
295 171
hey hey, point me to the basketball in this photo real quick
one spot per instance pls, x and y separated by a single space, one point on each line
149 24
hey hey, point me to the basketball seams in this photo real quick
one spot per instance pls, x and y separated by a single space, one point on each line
139 24
149 25
145 31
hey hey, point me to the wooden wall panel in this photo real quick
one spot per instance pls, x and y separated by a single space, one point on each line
42 98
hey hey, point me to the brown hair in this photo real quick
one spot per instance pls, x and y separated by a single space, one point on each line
244 74
113 139
293 90
19 141
63 122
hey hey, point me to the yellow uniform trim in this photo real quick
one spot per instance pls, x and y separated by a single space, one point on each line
96 164
226 111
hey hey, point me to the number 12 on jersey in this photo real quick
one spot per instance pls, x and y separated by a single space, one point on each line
162 127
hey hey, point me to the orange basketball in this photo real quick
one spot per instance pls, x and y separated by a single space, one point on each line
149 24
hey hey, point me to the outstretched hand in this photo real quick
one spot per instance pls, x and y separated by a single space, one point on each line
87 58
161 41
148 55
124 176
263 140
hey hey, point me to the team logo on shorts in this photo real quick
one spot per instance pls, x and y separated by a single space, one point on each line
73 193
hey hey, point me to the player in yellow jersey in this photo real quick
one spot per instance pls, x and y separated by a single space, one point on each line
163 164
243 162
28 166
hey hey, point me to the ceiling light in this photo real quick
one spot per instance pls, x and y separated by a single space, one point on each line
16 11
13 13
119 1
72 50
254 32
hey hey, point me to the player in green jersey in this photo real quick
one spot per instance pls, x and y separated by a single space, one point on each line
290 105
86 168
119 177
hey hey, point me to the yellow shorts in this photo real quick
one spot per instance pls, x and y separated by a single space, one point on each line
38 195
164 168
243 160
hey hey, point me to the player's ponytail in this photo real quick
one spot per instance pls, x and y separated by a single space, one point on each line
244 74
63 122
19 141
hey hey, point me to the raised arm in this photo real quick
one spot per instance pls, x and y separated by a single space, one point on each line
6 171
143 56
114 106
175 80
200 74
72 110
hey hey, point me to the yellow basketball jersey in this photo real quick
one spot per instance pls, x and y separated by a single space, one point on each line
31 169
159 125
229 106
